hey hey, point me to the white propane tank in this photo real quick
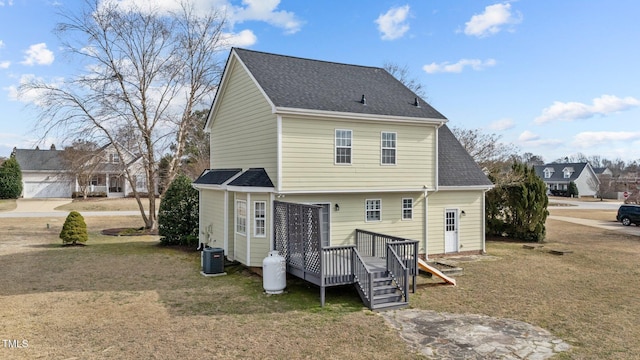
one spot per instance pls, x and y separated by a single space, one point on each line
274 273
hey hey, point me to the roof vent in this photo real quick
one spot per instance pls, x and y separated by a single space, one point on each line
416 103
363 101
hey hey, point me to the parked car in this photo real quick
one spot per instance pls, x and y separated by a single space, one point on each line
629 214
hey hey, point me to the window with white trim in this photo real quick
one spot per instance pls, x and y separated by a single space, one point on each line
343 146
388 147
548 172
373 209
241 217
260 218
114 158
407 209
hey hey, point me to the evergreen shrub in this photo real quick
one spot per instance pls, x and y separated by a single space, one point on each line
178 218
74 229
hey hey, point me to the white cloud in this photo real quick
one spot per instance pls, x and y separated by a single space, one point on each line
490 22
392 24
5 64
265 10
29 96
250 10
528 138
589 139
242 39
38 54
1 44
446 67
3 3
502 124
569 111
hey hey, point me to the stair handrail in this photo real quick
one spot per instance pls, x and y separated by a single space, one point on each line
363 278
398 271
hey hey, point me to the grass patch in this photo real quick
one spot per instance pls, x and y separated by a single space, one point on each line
127 295
106 204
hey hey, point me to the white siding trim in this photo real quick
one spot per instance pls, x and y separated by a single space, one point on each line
270 234
358 116
279 151
436 171
355 191
225 230
250 189
248 229
426 225
235 238
477 187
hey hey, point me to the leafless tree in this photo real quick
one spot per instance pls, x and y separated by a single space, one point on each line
403 74
138 69
82 159
486 149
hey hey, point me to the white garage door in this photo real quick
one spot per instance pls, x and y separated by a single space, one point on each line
47 189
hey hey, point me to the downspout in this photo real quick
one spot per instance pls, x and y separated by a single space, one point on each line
225 227
270 221
426 224
279 152
248 220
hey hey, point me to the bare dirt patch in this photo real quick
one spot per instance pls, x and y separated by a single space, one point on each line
7 204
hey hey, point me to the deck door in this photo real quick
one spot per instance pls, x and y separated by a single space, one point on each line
450 230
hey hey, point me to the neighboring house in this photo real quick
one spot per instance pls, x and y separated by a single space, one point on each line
557 177
349 143
602 171
47 173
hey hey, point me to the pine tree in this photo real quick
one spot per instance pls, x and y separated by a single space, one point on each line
572 190
10 179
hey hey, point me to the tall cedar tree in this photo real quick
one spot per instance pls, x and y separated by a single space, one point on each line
178 215
519 209
10 179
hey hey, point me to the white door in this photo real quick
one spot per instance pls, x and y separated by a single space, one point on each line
450 230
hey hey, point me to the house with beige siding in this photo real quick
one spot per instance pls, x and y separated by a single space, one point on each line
354 146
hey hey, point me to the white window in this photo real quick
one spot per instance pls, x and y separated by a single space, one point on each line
388 148
407 209
568 171
343 146
373 209
260 218
548 172
241 217
114 158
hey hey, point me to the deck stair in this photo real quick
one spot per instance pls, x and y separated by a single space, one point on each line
387 294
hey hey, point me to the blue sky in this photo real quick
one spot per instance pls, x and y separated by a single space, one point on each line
552 77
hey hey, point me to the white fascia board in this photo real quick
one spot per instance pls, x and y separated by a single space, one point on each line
354 191
250 189
207 187
357 116
462 188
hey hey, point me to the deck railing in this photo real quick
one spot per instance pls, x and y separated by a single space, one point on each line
398 271
337 265
373 244
363 279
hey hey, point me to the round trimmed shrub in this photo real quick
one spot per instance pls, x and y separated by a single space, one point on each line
74 229
178 213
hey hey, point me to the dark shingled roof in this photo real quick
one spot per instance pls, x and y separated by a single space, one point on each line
299 83
253 177
40 160
216 176
455 166
558 174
